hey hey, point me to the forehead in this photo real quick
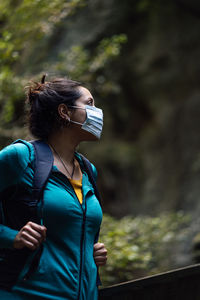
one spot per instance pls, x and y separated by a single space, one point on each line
85 94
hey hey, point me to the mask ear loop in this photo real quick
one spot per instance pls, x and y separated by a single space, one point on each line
76 122
74 106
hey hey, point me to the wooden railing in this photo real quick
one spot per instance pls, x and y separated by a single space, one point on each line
179 284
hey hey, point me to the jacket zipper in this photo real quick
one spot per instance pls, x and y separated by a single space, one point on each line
81 240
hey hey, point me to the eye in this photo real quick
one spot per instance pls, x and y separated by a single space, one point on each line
90 102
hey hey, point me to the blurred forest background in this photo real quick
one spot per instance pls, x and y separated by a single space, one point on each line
140 59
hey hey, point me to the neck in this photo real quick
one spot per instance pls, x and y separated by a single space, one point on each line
64 143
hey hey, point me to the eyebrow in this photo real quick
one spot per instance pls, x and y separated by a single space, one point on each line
90 98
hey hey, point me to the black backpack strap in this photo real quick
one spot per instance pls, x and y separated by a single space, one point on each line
42 169
89 170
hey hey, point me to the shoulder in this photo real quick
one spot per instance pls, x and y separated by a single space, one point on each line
14 160
19 152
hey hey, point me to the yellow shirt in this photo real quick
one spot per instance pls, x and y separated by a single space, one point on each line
77 185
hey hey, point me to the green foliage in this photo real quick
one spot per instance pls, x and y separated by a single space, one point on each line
26 22
75 61
23 24
107 49
35 22
11 95
139 246
83 64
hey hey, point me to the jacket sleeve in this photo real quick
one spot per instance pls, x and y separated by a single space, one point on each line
13 162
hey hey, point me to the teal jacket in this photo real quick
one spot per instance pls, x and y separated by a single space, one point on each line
66 269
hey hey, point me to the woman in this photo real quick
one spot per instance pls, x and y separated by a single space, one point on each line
62 113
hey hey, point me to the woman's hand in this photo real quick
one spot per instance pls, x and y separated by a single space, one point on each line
30 236
100 254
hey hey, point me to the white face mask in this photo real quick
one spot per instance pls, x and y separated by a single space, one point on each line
94 120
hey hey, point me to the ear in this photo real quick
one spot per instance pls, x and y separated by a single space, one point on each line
64 112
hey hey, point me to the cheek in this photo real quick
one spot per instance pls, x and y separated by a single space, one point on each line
80 116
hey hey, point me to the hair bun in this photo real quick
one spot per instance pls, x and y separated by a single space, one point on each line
43 78
34 89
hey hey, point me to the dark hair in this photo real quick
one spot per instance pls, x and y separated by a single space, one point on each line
44 99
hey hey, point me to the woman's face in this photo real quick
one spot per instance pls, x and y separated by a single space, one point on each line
86 98
79 114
